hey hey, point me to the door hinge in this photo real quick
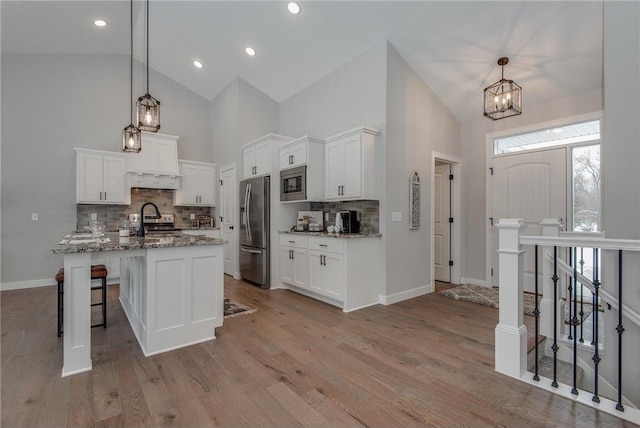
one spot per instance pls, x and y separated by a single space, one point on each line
221 182
450 262
491 170
450 176
450 219
491 220
491 271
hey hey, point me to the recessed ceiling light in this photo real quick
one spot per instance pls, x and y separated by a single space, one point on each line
293 7
198 64
250 51
100 23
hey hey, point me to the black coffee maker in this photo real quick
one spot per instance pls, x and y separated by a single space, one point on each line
350 223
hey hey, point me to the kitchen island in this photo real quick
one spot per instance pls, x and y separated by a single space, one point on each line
171 289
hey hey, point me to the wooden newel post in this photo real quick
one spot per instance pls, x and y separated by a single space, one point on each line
511 334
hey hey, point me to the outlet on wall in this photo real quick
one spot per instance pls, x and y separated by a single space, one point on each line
34 216
94 216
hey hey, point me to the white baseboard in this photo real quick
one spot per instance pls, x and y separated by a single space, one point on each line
473 281
405 295
33 283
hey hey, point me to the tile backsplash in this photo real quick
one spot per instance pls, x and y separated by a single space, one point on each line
368 212
114 215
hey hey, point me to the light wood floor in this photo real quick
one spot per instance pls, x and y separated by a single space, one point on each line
294 362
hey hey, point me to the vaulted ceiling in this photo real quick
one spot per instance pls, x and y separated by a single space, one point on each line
555 48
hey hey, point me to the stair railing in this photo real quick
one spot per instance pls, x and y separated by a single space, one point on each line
511 334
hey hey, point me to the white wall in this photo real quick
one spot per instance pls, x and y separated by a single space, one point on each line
351 96
52 103
418 123
474 133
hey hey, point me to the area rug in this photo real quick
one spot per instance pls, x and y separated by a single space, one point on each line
233 309
487 296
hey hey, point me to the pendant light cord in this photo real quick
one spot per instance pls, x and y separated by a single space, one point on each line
131 59
147 46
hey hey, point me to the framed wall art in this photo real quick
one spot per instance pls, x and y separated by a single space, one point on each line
414 200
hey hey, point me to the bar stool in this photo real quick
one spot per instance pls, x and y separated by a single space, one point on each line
97 272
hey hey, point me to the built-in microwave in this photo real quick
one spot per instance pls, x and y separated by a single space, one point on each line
293 184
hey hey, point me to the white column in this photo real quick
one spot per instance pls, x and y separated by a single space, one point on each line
510 333
77 313
550 227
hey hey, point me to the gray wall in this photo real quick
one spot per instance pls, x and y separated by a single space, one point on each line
418 123
52 103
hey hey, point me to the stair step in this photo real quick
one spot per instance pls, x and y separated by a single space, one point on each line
564 370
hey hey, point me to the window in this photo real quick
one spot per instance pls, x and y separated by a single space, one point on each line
585 161
559 136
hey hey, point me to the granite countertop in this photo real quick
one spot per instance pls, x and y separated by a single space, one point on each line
83 242
334 235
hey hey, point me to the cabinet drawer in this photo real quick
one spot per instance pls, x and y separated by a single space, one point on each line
332 245
294 241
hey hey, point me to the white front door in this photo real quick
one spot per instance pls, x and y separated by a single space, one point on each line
228 202
530 186
441 225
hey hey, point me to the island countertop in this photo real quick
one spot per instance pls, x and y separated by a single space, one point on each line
83 242
333 235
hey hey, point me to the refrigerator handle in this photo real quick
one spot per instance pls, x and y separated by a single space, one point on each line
250 251
248 212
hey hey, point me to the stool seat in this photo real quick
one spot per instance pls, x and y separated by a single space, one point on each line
97 272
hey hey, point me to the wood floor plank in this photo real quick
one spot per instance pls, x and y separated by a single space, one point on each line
293 362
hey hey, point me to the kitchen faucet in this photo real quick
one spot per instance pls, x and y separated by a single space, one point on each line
141 228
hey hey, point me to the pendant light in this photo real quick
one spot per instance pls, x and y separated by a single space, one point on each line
131 136
503 98
148 107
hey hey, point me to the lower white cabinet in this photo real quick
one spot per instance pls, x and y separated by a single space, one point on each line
293 260
344 272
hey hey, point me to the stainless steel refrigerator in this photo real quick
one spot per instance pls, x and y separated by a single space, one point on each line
254 230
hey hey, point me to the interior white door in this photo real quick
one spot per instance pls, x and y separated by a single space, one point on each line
441 225
530 186
228 198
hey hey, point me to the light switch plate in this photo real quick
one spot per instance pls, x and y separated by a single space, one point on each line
396 216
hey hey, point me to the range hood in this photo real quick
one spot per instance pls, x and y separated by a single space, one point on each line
156 166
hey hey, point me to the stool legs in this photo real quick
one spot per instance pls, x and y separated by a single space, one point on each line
60 306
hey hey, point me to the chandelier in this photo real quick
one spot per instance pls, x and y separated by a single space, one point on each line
503 98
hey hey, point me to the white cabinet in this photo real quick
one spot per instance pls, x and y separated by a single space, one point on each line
198 186
156 166
101 178
256 159
344 272
293 260
293 154
326 267
350 166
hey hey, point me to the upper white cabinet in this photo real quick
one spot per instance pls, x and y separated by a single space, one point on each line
156 166
101 177
307 151
256 155
350 165
198 186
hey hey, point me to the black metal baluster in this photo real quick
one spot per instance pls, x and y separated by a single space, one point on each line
574 324
570 288
620 330
554 347
536 314
581 296
594 342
